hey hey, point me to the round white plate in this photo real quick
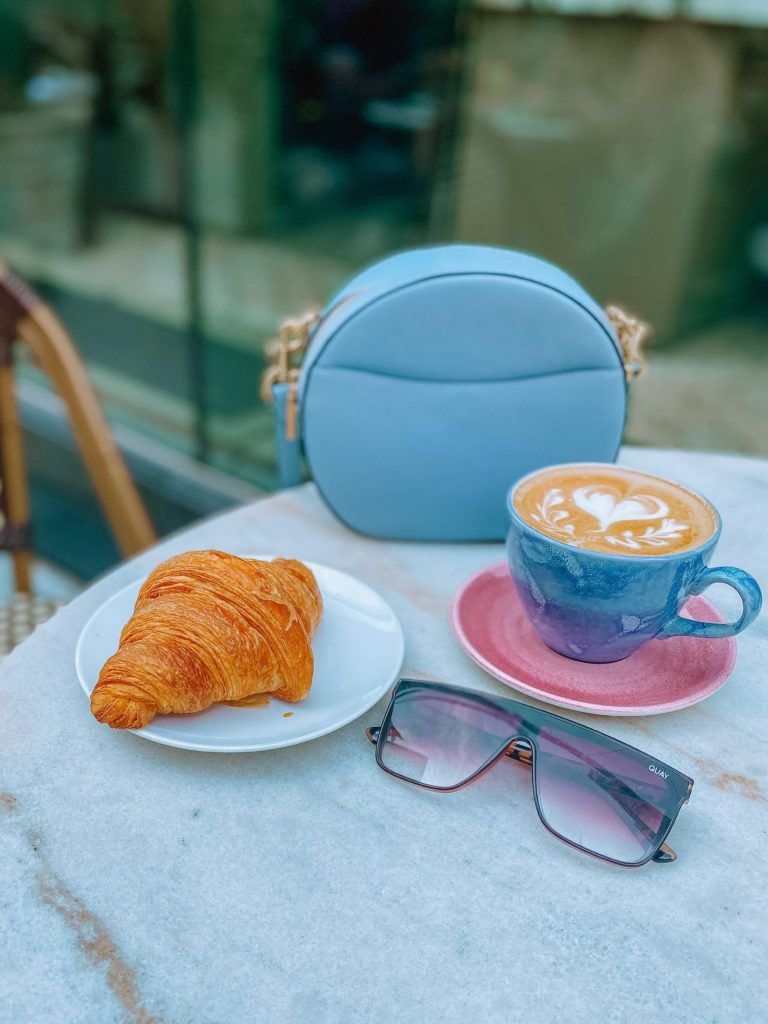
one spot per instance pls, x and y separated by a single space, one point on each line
358 650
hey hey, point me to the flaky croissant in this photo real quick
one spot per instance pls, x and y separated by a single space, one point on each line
210 627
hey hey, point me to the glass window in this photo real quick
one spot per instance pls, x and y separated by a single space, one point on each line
179 176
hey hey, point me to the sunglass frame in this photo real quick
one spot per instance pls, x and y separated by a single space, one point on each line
660 852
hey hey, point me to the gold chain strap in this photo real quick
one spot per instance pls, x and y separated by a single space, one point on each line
633 334
284 355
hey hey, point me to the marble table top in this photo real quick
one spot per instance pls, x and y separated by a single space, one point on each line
141 883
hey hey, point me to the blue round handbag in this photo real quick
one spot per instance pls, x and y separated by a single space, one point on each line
437 377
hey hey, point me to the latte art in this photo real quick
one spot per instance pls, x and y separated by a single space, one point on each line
614 510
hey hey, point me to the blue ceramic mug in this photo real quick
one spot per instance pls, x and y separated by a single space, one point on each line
599 607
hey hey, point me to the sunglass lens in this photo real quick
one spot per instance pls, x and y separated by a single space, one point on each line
442 739
601 795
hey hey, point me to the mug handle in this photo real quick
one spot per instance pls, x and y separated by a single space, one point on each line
746 587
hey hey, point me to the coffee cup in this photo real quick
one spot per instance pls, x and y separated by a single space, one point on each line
603 558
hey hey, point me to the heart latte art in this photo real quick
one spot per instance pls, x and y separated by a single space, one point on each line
614 510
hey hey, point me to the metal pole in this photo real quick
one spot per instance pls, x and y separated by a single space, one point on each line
184 83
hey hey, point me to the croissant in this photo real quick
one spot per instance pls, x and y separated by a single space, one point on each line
210 627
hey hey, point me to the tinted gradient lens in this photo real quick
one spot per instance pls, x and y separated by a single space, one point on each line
442 739
601 795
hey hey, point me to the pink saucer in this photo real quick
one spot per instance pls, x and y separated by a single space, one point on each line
664 675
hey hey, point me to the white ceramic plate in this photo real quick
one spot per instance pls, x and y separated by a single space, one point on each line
358 652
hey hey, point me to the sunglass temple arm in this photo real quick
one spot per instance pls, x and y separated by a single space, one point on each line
517 752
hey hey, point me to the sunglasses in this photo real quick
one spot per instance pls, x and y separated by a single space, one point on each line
594 792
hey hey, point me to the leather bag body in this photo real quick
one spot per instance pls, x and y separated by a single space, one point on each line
439 376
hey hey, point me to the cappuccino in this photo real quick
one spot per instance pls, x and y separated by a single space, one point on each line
614 510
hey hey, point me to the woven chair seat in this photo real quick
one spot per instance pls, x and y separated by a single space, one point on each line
19 618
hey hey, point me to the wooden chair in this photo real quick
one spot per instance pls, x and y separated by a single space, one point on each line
24 317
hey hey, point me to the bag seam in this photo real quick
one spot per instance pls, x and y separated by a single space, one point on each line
463 382
381 296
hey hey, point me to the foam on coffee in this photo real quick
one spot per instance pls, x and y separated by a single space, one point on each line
614 510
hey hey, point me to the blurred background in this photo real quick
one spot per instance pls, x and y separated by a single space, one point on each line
178 175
